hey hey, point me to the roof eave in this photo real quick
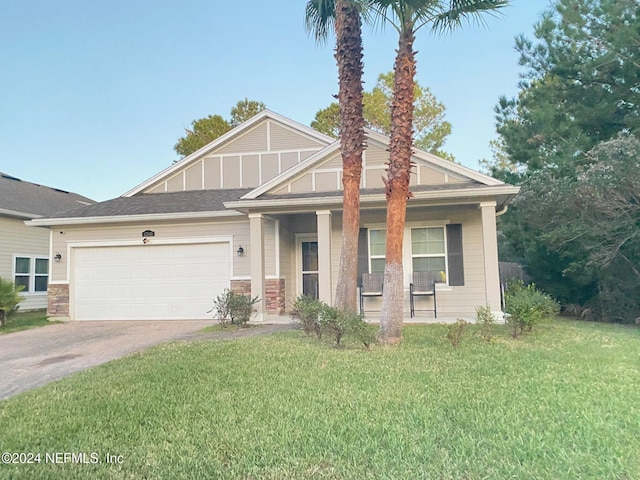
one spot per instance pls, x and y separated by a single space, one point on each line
451 196
149 217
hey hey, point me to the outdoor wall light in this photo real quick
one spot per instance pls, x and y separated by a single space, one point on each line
240 251
57 257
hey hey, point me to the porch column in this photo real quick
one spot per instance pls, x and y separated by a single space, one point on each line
490 253
256 232
323 218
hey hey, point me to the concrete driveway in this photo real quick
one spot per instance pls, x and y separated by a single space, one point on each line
35 357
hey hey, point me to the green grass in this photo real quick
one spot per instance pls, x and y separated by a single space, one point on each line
561 403
25 320
218 328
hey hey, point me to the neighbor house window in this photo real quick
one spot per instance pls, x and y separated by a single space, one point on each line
377 246
32 273
428 250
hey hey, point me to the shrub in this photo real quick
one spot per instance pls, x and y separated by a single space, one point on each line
234 308
315 316
9 299
338 323
526 307
486 320
305 312
456 332
333 322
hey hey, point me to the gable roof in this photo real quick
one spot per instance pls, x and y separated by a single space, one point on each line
150 206
28 200
371 136
227 137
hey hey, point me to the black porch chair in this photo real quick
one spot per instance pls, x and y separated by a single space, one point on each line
423 285
371 287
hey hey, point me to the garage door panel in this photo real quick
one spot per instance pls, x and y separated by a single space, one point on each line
148 281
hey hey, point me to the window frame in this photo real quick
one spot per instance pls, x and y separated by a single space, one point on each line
444 255
32 274
375 257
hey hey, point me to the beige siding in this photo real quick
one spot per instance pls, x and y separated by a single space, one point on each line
304 154
282 138
302 184
335 161
270 166
327 181
429 176
288 160
255 140
239 230
193 177
373 177
231 172
18 239
212 173
376 155
176 183
250 171
157 189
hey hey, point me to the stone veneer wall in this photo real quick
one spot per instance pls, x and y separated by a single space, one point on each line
58 302
274 293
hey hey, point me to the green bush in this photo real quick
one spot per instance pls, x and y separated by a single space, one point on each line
315 316
235 308
305 311
456 332
486 321
526 306
337 323
9 299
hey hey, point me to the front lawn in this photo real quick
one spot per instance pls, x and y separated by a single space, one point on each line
562 403
25 320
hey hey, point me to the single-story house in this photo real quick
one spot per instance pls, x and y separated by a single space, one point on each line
24 252
259 211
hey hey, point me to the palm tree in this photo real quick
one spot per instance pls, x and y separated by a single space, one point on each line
407 17
344 17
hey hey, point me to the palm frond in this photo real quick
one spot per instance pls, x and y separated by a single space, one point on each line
319 18
471 10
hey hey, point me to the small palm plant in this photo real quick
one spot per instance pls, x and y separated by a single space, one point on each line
9 299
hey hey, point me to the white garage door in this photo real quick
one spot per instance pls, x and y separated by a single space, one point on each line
148 282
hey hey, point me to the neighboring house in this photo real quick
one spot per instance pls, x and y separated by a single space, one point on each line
24 252
259 211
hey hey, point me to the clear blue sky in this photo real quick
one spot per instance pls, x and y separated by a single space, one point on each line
96 93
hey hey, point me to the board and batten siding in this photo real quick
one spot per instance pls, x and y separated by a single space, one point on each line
246 161
327 174
18 239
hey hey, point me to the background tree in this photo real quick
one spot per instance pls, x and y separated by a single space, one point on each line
431 129
207 129
407 17
344 16
592 221
580 88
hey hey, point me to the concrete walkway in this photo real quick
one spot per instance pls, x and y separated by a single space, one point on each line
32 358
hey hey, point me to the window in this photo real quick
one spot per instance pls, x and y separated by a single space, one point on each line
32 273
377 250
428 250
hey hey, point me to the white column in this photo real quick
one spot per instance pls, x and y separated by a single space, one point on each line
323 218
256 254
490 254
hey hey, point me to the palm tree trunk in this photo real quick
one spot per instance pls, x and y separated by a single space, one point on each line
349 59
397 184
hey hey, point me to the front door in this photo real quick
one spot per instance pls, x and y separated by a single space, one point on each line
309 262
